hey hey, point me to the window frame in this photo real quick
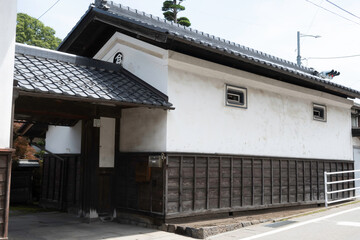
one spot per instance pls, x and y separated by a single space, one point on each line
323 108
240 90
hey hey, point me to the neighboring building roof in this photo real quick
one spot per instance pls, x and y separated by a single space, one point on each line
50 72
101 21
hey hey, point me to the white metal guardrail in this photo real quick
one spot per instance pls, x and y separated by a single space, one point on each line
327 183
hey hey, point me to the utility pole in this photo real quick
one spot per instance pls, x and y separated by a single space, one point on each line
299 35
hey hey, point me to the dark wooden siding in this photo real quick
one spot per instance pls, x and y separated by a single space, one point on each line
5 175
212 183
22 185
134 192
61 182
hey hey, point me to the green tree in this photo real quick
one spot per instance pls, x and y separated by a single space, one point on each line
33 32
171 10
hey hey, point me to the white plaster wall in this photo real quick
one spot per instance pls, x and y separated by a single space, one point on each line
277 122
143 130
145 61
7 50
64 140
107 143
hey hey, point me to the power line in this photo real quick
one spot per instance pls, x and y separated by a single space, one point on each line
324 58
48 9
333 12
342 9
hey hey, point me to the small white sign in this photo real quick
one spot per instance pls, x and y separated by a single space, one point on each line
97 123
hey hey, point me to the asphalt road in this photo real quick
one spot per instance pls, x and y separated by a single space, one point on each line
342 223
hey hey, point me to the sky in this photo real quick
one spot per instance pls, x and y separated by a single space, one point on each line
269 26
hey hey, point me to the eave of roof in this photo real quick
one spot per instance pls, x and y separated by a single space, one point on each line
172 36
52 74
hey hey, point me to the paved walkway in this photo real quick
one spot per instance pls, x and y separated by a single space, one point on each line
56 225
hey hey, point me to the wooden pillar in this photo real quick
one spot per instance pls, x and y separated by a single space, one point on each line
89 165
5 177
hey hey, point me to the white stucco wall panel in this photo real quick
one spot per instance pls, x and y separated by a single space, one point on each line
143 130
7 50
107 143
277 122
144 60
64 140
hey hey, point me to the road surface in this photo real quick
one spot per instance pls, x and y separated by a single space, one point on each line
342 223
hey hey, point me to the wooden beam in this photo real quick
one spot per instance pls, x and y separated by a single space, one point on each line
50 109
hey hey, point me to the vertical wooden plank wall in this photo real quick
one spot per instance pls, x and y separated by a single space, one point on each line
142 196
201 183
61 182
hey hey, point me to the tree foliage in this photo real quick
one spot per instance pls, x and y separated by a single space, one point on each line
23 150
171 10
33 32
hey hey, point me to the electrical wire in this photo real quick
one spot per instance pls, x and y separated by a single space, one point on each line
48 9
324 58
343 9
312 20
333 12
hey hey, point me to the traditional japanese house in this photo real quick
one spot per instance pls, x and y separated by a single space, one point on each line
170 122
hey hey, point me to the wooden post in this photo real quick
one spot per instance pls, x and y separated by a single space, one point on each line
311 190
194 183
337 179
166 185
90 161
280 191
207 184
262 182
5 164
318 180
180 183
220 182
252 183
296 176
304 189
231 181
242 182
272 181
288 178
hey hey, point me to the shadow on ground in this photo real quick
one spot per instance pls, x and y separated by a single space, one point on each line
28 224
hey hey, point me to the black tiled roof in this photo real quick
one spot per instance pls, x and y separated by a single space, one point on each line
209 41
51 72
205 42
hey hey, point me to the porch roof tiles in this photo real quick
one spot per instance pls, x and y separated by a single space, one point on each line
54 73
